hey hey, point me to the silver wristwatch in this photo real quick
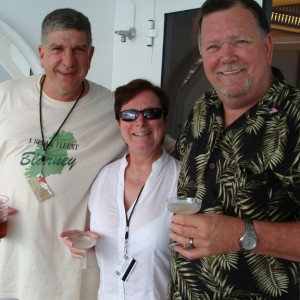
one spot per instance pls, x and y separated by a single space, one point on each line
249 240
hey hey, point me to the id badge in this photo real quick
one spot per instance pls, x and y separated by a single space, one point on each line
40 187
125 267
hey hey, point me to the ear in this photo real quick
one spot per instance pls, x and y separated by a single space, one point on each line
91 52
41 55
269 48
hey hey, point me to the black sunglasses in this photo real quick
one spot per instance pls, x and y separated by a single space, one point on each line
148 114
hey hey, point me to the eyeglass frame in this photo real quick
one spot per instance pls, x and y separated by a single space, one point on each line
136 113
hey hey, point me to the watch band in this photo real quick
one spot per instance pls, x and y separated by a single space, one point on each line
249 228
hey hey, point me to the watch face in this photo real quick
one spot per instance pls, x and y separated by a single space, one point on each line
248 242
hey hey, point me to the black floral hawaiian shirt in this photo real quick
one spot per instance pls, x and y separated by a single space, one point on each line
250 170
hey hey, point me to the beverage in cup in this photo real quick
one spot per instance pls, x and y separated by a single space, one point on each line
3 215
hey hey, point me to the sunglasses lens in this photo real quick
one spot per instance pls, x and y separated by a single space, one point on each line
128 115
148 114
152 113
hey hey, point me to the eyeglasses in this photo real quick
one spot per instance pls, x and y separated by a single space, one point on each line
148 114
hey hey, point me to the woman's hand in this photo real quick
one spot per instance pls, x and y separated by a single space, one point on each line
69 234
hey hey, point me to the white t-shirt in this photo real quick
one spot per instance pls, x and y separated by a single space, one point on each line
148 230
34 262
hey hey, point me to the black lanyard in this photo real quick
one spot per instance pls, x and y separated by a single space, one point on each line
45 147
128 220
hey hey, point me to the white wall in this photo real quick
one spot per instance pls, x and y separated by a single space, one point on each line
114 63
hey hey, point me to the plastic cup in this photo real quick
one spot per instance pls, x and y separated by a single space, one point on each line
3 215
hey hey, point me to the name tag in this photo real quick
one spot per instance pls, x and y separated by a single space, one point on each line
125 267
40 188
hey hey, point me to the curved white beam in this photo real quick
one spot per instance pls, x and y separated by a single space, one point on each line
31 58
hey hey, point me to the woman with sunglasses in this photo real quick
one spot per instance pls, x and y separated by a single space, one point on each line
127 203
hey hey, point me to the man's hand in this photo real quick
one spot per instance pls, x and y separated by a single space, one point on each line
211 234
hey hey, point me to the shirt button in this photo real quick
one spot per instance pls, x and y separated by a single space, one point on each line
212 166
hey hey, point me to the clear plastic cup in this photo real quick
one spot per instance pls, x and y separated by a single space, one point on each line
3 215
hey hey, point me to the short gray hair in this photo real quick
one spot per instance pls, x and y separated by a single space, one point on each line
66 18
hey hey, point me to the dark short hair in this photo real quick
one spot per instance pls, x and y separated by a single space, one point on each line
125 93
66 18
211 6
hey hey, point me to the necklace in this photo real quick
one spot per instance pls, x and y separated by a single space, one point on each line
45 147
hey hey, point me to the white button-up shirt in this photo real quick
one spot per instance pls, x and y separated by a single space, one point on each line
148 230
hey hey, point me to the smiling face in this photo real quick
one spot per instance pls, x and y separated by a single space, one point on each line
66 58
236 57
143 136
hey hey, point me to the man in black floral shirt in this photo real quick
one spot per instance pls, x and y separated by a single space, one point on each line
240 153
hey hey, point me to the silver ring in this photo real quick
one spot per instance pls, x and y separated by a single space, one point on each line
191 242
